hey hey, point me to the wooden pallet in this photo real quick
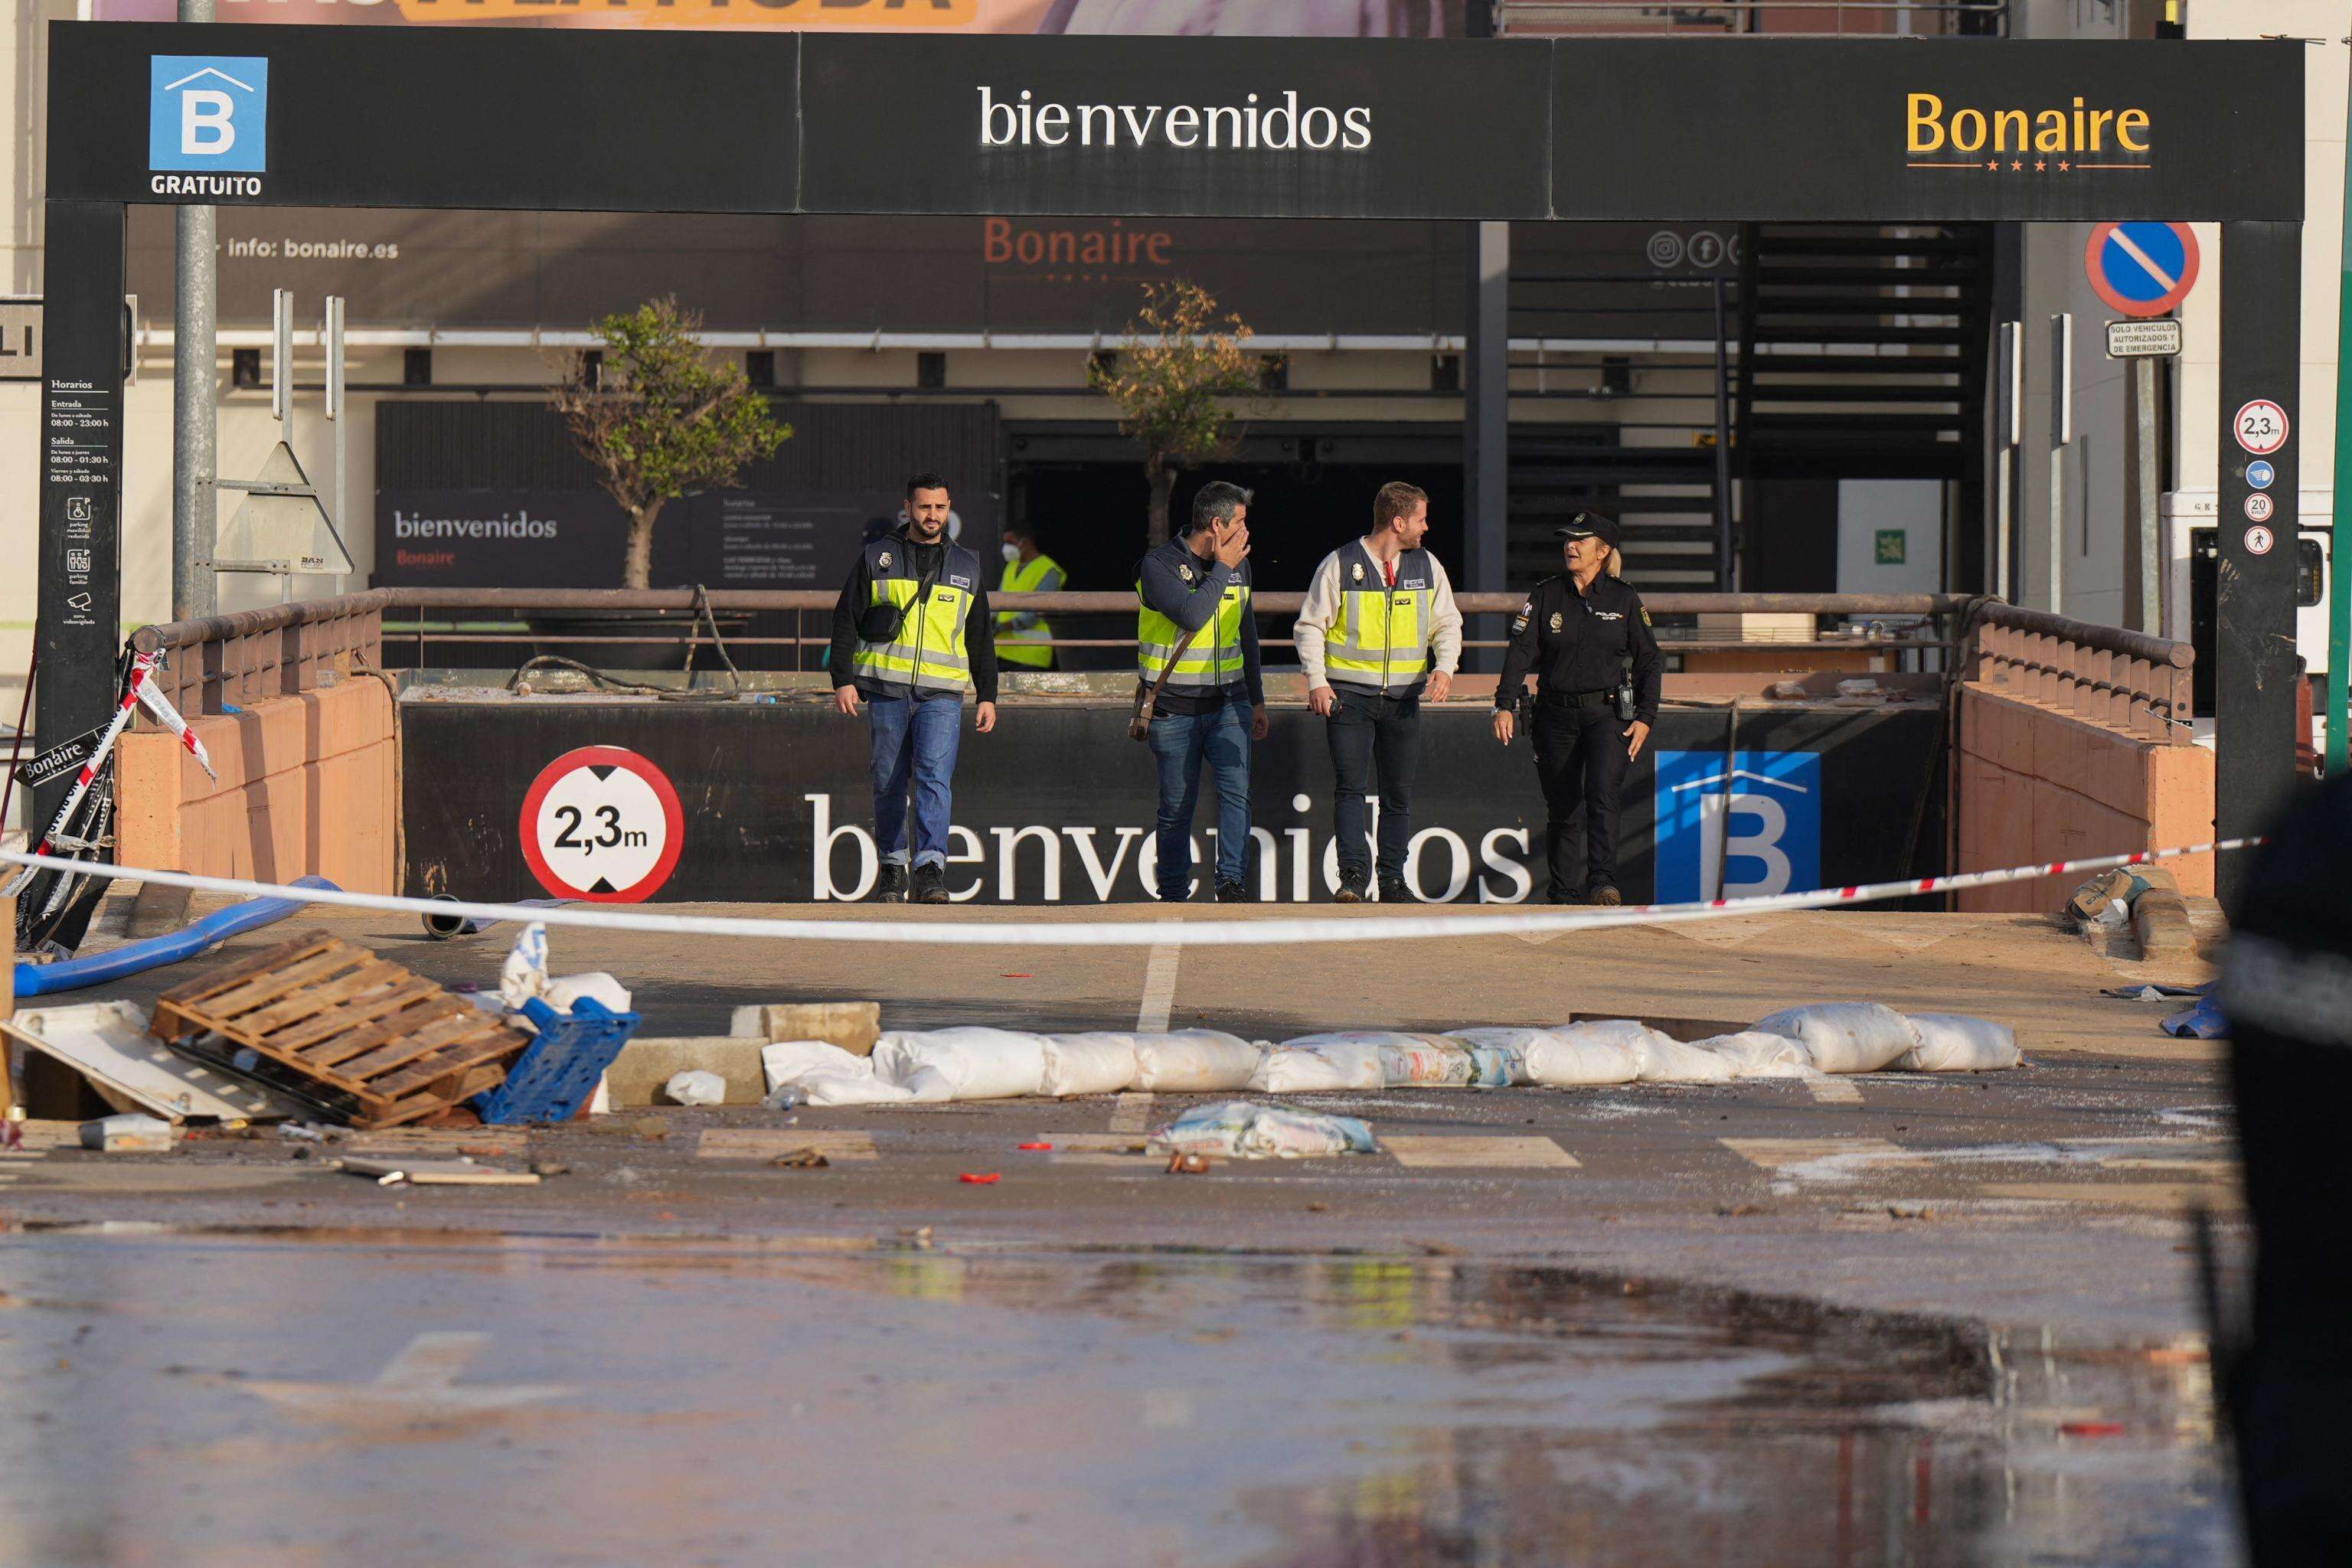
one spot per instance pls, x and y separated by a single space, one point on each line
356 1032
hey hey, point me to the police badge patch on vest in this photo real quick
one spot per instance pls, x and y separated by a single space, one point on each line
1185 572
1555 620
883 561
1356 570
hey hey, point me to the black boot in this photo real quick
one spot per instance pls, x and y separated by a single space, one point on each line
889 884
930 884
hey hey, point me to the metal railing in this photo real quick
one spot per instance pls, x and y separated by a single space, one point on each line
237 659
2124 680
1753 18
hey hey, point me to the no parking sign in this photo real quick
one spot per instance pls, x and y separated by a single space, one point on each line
603 824
2141 268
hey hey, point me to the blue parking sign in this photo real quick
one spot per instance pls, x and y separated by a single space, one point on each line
1774 845
208 112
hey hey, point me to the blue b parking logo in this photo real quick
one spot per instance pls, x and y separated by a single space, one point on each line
1775 840
208 112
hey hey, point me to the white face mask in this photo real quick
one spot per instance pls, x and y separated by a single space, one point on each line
1012 554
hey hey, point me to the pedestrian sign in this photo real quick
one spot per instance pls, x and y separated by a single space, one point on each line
2141 268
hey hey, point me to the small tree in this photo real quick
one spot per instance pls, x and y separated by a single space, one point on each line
1170 378
659 419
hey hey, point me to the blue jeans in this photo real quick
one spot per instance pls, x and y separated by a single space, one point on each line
914 737
1181 742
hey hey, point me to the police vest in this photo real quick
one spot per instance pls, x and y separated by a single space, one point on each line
928 653
1214 658
1026 645
1380 636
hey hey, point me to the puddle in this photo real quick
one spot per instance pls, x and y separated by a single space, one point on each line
414 1397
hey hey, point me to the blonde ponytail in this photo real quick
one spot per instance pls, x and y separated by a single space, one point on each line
1615 566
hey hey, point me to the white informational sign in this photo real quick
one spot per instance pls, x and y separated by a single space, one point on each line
2143 340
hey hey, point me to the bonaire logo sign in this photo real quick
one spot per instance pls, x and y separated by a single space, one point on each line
207 124
2050 141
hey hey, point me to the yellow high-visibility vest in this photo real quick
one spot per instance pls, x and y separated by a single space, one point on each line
1027 644
928 653
1212 659
1381 638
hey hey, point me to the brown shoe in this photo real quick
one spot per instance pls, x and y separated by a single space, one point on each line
1603 893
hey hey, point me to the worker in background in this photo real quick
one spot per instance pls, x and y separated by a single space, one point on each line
1379 614
1577 632
1023 636
1193 625
2285 1374
911 635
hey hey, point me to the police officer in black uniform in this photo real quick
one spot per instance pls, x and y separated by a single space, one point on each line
1575 632
2287 1371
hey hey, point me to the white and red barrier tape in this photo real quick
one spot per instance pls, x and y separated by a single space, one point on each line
1162 932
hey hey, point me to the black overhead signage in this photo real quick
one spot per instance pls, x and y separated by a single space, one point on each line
1626 129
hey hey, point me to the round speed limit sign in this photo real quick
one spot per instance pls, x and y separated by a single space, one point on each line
2260 426
602 824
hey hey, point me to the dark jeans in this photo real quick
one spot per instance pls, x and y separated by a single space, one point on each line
1180 743
1375 744
915 739
1580 760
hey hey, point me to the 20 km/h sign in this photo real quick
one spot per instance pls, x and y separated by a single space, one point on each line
602 824
2141 268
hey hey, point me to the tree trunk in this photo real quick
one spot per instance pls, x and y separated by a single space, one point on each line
639 572
1163 488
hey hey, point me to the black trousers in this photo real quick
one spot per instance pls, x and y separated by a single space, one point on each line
1580 760
1375 742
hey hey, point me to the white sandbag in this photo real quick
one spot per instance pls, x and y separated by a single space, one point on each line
827 1074
1753 1053
1953 1042
1845 1036
1323 1068
1573 1056
1097 1063
1241 1130
1194 1061
695 1087
565 989
1664 1060
964 1063
1498 1056
1406 1058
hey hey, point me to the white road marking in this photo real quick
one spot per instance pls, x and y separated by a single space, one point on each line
1159 987
1519 1153
420 1383
1831 1090
1129 1113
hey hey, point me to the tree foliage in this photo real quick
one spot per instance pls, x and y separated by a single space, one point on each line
659 419
1173 379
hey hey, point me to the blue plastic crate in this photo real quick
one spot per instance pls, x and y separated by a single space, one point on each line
557 1074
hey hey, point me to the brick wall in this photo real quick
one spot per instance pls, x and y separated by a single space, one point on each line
306 788
2036 785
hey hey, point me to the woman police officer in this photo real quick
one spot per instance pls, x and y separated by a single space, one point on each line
1575 632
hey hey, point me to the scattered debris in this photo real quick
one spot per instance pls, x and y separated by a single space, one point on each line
436 1173
1242 1131
550 1168
1182 1164
360 1038
127 1134
654 1128
561 1068
108 1044
800 1160
769 1143
697 1088
981 1179
2090 1428
1032 1145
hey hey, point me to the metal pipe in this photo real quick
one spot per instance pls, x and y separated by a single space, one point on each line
195 427
1724 573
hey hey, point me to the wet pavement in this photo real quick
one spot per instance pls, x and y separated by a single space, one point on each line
354 1396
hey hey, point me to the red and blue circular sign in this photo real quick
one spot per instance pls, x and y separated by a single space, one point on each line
603 824
2141 268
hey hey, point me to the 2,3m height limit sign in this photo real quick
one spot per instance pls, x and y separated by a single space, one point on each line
602 824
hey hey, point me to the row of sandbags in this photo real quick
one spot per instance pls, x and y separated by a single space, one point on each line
977 1063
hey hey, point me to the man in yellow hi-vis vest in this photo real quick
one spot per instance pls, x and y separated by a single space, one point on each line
1213 704
1023 636
910 635
1378 627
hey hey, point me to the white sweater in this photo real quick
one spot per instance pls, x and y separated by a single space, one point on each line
1321 610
